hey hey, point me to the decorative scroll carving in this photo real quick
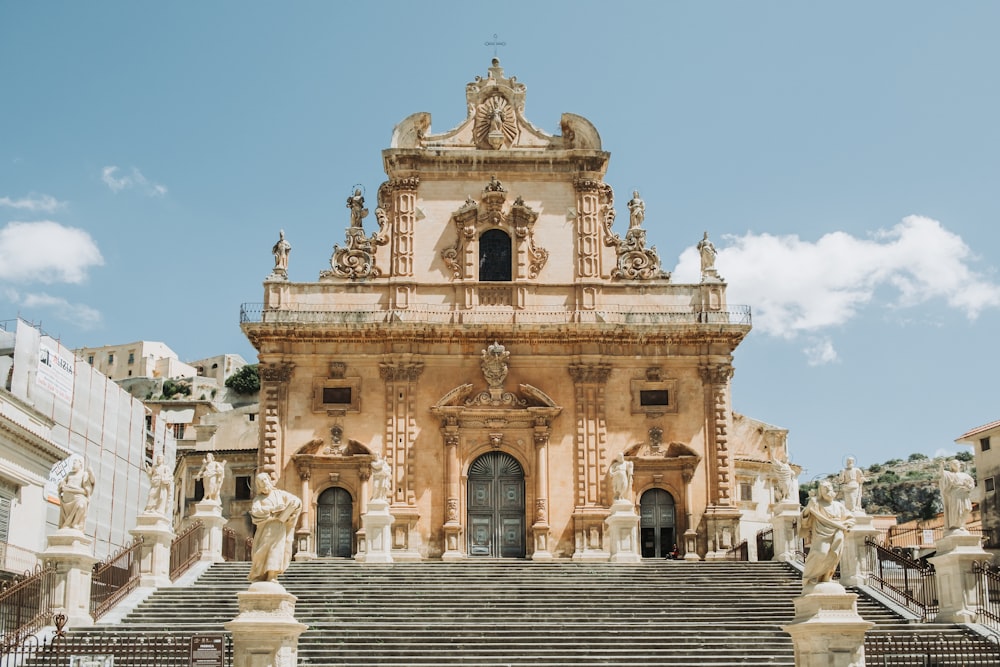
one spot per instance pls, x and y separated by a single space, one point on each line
337 370
390 372
279 372
452 511
541 510
589 373
495 399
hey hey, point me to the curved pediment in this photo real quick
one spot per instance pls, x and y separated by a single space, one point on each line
455 397
536 397
675 450
319 447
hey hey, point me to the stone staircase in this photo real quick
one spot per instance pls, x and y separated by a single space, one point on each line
496 613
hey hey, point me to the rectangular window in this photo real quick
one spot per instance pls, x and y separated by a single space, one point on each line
131 357
746 490
337 394
243 487
984 444
6 498
988 484
90 359
654 397
178 430
111 357
252 416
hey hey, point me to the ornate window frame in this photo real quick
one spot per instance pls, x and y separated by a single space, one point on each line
321 384
641 389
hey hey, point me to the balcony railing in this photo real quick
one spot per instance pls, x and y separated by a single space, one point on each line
255 313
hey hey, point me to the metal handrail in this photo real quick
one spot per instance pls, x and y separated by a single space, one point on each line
987 593
911 583
25 605
114 578
185 549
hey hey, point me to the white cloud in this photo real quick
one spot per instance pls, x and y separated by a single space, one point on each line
797 287
133 180
33 203
821 352
46 252
80 314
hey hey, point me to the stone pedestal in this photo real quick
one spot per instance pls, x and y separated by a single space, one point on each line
265 633
209 513
691 545
541 541
377 522
785 519
154 554
452 538
854 561
71 552
623 529
827 630
956 584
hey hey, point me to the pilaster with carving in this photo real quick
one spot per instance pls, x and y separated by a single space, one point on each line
715 378
452 525
274 379
588 228
589 381
540 525
400 378
304 533
398 198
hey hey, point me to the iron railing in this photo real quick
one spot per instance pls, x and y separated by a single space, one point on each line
15 559
988 593
915 538
991 538
25 605
765 544
121 650
740 552
908 582
228 544
185 549
114 578
435 314
910 650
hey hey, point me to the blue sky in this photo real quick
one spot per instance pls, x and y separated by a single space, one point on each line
844 157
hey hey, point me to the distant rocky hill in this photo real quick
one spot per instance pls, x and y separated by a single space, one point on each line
907 489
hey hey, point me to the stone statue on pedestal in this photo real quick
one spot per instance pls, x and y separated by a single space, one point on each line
956 494
160 482
851 481
621 478
75 491
274 512
825 522
212 473
281 251
381 479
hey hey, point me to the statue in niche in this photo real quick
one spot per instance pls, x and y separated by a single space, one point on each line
636 211
825 522
275 513
75 491
956 494
851 481
211 474
621 478
161 480
494 364
381 479
708 253
356 203
281 250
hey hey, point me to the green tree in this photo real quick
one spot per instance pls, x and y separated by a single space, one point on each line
964 456
245 381
917 456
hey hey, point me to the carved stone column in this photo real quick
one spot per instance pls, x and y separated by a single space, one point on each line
540 527
364 493
400 377
274 379
303 533
591 442
452 483
721 515
690 534
588 228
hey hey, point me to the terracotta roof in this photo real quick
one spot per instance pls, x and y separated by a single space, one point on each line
978 430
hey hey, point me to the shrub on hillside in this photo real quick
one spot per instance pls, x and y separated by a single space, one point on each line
245 381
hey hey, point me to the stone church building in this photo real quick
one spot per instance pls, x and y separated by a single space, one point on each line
499 341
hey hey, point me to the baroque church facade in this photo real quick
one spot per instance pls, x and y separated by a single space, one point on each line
496 345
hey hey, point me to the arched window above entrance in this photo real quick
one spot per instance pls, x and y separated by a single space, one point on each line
495 257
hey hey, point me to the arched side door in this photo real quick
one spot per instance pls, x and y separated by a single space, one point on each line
496 507
334 531
657 532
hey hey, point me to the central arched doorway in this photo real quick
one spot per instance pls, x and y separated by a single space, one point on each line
496 507
657 532
334 532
